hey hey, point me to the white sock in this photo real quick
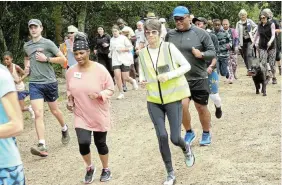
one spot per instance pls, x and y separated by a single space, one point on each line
42 141
65 128
216 99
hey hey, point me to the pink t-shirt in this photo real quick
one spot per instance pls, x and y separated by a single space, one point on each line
93 115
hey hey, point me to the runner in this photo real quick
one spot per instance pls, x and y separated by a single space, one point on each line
69 44
246 28
139 44
18 75
43 85
211 69
102 44
198 50
11 125
122 58
232 63
267 48
162 71
224 45
89 86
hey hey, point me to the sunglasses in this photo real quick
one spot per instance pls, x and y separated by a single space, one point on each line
263 18
70 32
181 19
153 32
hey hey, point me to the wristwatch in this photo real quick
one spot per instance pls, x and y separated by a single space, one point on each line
48 59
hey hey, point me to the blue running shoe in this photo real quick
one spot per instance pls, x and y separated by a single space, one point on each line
189 156
206 139
190 137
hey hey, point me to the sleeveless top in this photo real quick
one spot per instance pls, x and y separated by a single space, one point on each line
20 86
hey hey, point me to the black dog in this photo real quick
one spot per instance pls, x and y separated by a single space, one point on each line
260 77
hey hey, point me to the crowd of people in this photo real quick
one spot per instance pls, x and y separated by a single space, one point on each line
175 66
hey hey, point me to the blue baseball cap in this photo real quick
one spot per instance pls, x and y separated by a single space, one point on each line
180 11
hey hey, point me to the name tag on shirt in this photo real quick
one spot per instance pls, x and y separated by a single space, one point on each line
77 75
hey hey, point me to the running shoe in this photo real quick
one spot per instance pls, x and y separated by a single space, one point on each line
106 175
135 85
206 139
218 112
65 137
170 180
120 96
190 137
90 174
189 156
39 150
124 88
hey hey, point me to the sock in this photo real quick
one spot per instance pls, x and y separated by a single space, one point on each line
65 128
89 167
216 99
190 131
42 141
106 169
206 132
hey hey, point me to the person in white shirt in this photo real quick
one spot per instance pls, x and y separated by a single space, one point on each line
122 58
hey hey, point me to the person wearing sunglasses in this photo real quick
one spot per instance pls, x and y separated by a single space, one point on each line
266 45
161 71
197 47
246 28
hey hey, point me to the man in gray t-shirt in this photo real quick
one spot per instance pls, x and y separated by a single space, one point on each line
43 86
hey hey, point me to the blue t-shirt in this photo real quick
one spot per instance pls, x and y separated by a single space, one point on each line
9 153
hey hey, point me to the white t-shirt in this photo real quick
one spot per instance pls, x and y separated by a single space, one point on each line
140 38
176 56
119 58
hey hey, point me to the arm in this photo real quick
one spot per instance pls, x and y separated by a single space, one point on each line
128 45
254 26
26 65
141 71
229 44
272 34
236 42
21 72
179 59
210 53
256 37
9 99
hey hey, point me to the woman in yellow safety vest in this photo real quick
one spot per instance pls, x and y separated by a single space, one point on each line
162 69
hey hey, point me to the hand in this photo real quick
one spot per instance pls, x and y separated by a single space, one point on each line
93 96
143 84
197 53
40 57
163 77
95 52
105 45
70 106
209 70
269 44
104 96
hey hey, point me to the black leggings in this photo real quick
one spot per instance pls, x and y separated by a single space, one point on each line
84 141
107 62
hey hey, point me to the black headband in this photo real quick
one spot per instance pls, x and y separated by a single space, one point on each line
80 43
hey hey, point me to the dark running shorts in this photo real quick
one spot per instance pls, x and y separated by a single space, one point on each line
22 95
199 91
48 92
122 67
12 175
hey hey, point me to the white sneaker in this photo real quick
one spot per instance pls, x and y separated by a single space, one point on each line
31 112
120 96
170 180
135 84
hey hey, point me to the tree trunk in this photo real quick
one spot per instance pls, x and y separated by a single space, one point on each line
82 16
57 17
3 46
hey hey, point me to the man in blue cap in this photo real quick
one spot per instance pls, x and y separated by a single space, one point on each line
197 47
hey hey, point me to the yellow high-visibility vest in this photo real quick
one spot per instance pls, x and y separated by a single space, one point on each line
170 91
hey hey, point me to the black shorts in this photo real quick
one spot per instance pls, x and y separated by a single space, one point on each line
84 136
48 92
278 55
200 91
122 67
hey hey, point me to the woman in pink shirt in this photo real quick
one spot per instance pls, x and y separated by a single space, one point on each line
89 86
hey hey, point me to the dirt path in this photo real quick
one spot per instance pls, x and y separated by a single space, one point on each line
245 143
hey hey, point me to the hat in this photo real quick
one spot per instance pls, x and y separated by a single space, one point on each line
34 22
162 20
72 29
180 11
201 19
150 15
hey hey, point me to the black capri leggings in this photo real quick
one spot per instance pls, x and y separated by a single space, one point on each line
84 141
